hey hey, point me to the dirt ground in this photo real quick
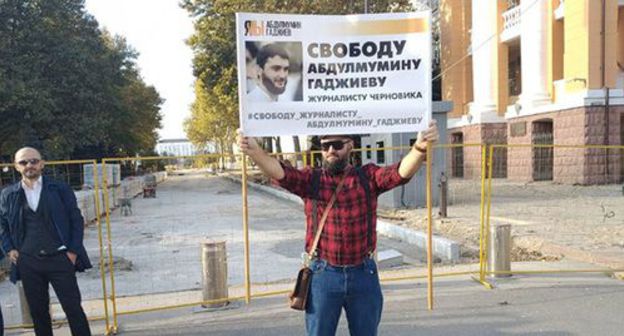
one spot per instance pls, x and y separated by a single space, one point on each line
548 220
577 220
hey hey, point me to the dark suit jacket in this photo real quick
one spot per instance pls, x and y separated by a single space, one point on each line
62 210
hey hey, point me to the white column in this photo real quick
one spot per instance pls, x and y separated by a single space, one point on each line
484 40
534 52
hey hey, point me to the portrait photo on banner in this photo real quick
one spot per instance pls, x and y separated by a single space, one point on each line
273 71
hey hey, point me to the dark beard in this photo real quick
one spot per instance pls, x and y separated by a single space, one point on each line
268 84
335 168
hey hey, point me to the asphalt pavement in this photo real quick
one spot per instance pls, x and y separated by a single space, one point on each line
541 304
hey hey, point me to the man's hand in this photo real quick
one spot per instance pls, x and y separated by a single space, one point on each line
247 145
72 257
267 164
430 135
414 159
13 256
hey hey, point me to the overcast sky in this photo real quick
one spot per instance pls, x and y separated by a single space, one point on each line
157 30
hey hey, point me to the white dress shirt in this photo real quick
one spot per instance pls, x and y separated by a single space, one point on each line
258 95
33 194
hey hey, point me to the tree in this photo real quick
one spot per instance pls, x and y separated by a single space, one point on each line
67 88
214 44
48 50
137 116
212 119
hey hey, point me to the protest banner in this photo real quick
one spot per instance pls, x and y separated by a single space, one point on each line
312 74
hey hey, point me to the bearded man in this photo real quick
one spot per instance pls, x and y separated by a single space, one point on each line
345 274
273 68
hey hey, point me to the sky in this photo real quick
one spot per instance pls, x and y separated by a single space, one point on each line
156 29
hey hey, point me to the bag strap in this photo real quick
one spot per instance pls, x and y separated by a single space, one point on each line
324 217
369 208
314 193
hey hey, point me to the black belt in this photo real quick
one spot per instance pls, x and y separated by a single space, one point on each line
345 268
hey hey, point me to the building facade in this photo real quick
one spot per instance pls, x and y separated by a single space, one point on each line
180 147
535 72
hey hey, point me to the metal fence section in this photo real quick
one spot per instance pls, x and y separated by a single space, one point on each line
561 202
92 282
160 242
159 218
175 225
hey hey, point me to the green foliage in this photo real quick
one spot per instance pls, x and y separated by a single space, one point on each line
214 46
213 117
68 88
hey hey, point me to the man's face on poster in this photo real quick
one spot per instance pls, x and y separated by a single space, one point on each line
275 74
250 62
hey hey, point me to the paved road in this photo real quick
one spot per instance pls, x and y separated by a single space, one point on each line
572 304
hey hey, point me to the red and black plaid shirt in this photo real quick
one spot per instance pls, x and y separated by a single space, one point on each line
344 237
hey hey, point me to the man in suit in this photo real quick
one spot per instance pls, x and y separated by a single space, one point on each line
42 231
1 318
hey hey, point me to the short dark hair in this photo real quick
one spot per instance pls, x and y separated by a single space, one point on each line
270 50
252 48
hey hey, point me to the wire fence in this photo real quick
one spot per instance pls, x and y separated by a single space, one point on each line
561 202
168 218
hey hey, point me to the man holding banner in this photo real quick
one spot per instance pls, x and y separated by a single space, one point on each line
359 74
345 275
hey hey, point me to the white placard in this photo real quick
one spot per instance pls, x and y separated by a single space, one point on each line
311 74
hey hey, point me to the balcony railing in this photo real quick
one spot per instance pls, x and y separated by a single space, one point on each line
511 24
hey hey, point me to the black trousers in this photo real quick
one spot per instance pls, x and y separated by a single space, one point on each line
1 324
37 273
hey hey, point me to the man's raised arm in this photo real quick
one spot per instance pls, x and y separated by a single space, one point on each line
267 164
414 159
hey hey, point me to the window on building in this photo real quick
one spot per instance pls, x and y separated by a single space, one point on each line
543 157
622 143
369 154
515 72
457 155
381 155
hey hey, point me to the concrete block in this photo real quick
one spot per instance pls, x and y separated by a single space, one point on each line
389 258
443 248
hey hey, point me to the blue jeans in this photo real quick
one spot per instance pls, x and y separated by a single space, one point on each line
354 288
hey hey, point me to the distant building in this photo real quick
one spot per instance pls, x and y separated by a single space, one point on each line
535 72
180 147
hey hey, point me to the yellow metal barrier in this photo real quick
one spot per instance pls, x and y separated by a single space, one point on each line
247 294
488 172
246 232
116 311
571 168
